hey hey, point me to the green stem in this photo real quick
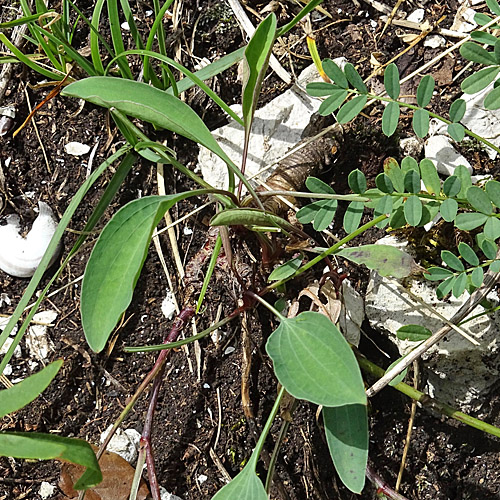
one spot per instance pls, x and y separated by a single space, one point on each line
425 400
265 303
327 252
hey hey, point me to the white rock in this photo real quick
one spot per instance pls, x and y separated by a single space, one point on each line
416 16
38 343
125 26
4 299
7 370
76 148
201 478
8 342
439 149
46 490
457 371
411 146
187 231
434 41
165 495
168 305
3 324
277 127
229 350
124 443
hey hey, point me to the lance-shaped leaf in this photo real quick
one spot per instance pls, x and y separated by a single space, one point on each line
385 259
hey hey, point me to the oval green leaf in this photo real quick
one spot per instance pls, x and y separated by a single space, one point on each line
330 104
351 109
285 270
462 172
457 110
320 89
390 118
335 73
384 183
409 163
354 78
492 189
477 276
391 81
468 253
470 220
475 53
353 215
456 131
430 177
452 186
420 122
313 361
346 431
492 100
325 215
478 81
492 228
425 90
449 209
451 260
394 172
459 285
412 182
479 200
413 333
437 273
445 287
357 181
413 210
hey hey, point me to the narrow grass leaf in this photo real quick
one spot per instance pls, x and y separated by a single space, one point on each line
492 189
412 182
395 174
413 210
449 209
456 131
357 181
346 432
479 81
313 361
28 389
457 110
470 220
305 10
492 228
391 81
353 215
477 277
385 259
420 122
492 100
384 183
475 53
445 287
38 446
437 273
351 109
430 177
209 272
452 261
117 37
335 73
286 270
459 285
468 254
115 263
390 118
354 78
424 91
479 200
329 105
413 333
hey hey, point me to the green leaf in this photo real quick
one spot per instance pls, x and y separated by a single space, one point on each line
477 277
475 53
481 18
357 181
413 210
325 215
470 220
479 81
420 122
449 209
395 174
335 73
245 486
353 215
496 51
27 390
492 228
445 287
384 205
456 131
354 79
398 378
384 183
489 248
285 270
494 266
38 446
451 260
492 189
115 263
316 185
346 431
391 81
313 361
397 218
457 110
437 273
329 105
492 100
385 259
452 186
320 89
425 90
483 37
412 182
413 333
308 213
430 177
390 118
409 163
429 212
468 254
255 64
479 200
463 174
493 6
459 285
351 109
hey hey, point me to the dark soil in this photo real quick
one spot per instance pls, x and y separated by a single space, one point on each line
200 413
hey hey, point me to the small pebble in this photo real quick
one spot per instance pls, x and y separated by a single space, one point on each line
76 148
229 350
